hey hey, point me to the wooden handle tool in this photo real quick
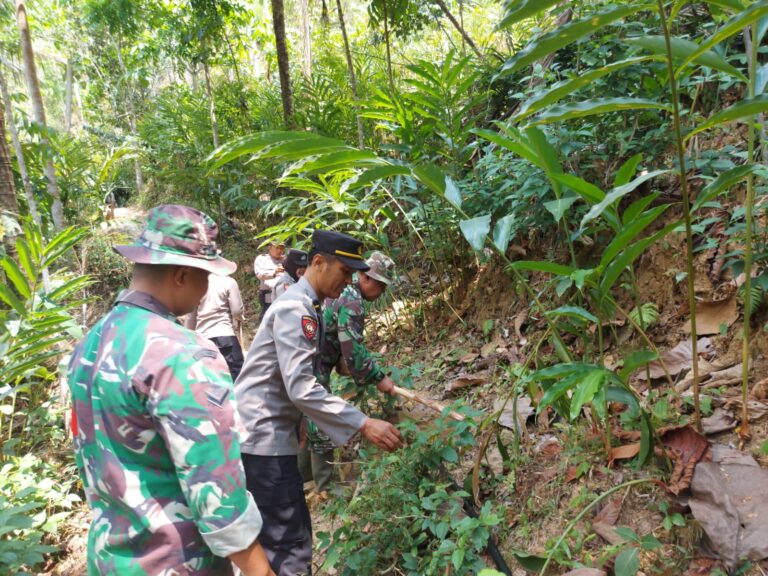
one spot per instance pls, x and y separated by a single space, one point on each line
436 406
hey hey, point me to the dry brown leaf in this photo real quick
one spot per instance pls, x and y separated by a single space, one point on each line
607 533
551 448
625 451
760 389
465 382
711 315
469 358
586 572
686 447
609 514
677 359
525 410
720 421
755 409
519 321
571 475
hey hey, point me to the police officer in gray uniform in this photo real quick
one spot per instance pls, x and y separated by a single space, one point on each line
278 384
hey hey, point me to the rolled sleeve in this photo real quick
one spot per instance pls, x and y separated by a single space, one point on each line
295 355
192 403
238 535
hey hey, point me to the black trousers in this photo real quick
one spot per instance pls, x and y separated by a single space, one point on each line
278 490
264 304
229 346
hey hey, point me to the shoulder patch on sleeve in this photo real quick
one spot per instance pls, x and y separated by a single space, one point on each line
309 327
204 353
216 395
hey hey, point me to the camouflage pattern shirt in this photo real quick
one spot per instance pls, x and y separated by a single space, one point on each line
157 444
344 323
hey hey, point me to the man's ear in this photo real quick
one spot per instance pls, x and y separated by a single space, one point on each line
180 275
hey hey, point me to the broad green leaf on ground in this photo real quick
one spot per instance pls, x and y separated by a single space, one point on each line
539 266
732 26
475 230
744 109
563 88
682 49
725 181
573 312
518 10
595 106
564 35
585 391
502 231
627 563
559 207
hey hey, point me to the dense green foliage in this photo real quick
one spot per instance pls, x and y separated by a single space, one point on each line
580 134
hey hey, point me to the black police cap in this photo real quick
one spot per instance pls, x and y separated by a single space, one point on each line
347 249
298 258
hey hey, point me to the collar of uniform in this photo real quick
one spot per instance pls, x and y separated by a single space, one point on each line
308 290
146 301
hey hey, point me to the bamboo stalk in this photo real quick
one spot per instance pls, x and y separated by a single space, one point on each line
434 405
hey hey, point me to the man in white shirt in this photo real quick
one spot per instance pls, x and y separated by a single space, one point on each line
267 268
217 317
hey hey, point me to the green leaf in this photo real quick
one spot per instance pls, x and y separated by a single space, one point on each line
559 207
627 170
530 562
585 391
586 190
502 231
629 232
564 35
437 181
735 24
734 5
476 230
372 175
62 242
637 207
513 145
615 195
457 558
635 360
521 9
746 108
287 146
7 296
547 155
725 181
561 89
539 266
627 563
573 312
15 275
595 106
341 160
557 391
682 49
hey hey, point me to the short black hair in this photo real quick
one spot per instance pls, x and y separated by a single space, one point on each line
151 271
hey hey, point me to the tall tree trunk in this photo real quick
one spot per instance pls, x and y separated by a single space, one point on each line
28 193
68 97
352 78
38 111
306 38
283 64
324 19
138 173
8 200
458 27
212 105
386 43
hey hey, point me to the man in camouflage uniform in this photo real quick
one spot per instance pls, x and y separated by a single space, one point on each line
154 419
344 347
278 384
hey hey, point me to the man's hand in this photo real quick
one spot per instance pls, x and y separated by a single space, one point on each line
252 561
382 434
386 386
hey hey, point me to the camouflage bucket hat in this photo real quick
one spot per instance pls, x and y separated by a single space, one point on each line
382 268
181 236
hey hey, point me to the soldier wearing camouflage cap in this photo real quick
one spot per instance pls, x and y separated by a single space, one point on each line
278 384
154 419
344 345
